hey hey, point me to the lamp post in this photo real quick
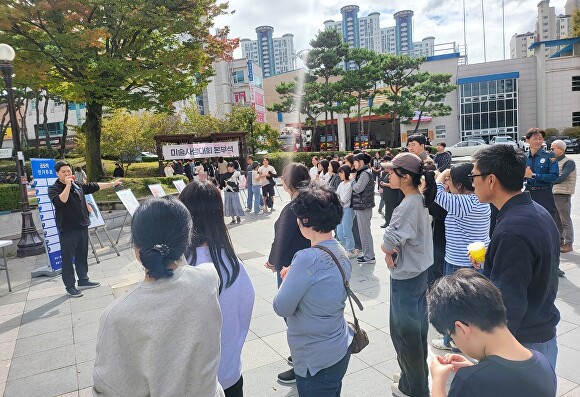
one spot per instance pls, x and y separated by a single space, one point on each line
30 242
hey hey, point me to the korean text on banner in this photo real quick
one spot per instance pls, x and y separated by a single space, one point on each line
201 150
44 176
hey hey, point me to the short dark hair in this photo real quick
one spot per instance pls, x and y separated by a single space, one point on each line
346 169
356 151
465 296
460 175
250 158
266 158
59 164
507 163
204 203
442 144
349 158
335 165
231 164
419 138
153 230
318 207
296 176
535 130
365 158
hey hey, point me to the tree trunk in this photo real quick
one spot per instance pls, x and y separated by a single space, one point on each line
45 123
418 122
23 128
3 126
37 127
92 130
64 131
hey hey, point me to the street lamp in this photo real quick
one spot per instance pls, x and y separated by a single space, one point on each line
30 242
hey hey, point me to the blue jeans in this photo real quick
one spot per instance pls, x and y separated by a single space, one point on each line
326 383
257 193
548 349
344 230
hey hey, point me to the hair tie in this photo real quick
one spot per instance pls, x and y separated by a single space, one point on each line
163 249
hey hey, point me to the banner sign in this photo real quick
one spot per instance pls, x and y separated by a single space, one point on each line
44 176
5 153
200 150
250 71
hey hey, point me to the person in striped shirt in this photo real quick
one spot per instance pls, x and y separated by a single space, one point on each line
467 221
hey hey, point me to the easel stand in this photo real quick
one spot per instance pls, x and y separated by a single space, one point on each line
96 229
122 227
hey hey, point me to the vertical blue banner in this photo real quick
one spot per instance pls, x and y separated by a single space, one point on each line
44 176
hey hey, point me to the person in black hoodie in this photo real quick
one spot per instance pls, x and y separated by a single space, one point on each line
72 221
524 252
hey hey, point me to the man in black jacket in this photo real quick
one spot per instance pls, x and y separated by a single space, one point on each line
72 221
524 252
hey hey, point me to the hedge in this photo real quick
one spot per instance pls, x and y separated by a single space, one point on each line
139 187
9 197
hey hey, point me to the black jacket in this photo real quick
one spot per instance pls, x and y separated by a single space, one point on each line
73 214
287 239
366 198
522 261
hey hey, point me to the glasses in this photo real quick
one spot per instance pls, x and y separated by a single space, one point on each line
472 176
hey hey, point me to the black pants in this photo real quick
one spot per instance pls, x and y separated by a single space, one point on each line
356 234
408 325
546 199
74 244
268 192
236 390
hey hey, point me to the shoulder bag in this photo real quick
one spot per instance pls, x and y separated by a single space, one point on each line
360 339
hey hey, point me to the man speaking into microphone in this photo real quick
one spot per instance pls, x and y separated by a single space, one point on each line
72 220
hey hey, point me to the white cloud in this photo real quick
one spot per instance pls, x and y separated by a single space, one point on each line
440 18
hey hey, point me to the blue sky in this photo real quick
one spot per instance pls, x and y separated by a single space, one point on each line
440 18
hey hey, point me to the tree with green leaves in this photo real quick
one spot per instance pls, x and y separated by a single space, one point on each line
328 51
134 54
576 22
429 93
399 75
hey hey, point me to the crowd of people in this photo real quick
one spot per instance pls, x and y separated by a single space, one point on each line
498 311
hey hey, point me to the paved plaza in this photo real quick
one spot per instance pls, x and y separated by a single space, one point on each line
47 340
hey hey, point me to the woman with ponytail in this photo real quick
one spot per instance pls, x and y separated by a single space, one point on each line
408 248
150 341
211 242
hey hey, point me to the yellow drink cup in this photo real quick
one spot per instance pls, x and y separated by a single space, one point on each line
477 251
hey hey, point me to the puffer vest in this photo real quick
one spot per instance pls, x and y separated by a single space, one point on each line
569 185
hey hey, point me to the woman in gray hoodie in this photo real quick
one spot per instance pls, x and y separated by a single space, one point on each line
408 248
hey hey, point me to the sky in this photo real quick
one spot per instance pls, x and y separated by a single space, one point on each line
440 18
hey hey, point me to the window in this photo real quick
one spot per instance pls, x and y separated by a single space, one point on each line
54 129
575 83
238 76
575 119
440 131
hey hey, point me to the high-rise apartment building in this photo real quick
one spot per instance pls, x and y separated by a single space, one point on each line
425 47
388 40
520 44
274 54
548 27
404 32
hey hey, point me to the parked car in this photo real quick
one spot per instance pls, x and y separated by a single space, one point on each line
572 145
503 140
466 148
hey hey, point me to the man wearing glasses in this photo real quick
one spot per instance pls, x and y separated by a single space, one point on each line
524 252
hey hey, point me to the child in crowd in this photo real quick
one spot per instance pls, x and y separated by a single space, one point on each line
469 308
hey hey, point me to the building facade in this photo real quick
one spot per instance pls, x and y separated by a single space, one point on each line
273 54
425 47
520 44
404 32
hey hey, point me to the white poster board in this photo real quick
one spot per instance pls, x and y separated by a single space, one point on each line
129 200
94 214
157 190
179 185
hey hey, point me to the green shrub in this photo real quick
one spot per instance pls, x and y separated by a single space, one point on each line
9 197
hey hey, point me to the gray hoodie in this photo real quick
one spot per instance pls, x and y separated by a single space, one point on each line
410 233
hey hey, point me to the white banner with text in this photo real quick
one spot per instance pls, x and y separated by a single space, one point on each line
201 150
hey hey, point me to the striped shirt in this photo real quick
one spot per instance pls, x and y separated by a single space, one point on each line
467 221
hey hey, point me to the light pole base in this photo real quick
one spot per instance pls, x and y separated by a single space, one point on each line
45 271
30 243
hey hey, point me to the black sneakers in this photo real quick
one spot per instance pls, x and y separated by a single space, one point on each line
86 284
287 377
364 261
73 292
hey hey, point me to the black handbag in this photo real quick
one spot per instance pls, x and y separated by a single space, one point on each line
360 339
